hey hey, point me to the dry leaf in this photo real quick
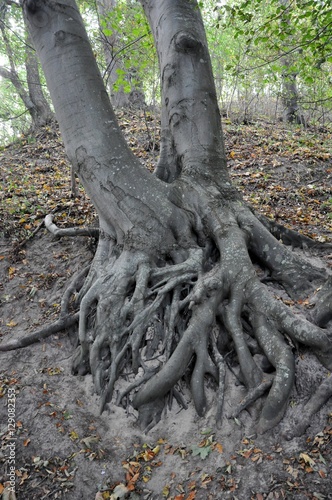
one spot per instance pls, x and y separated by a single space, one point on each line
120 491
219 447
191 496
307 459
11 323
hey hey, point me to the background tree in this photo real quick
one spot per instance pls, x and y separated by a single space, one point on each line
289 45
123 28
175 284
26 84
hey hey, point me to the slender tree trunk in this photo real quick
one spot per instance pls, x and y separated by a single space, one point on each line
33 98
290 95
41 112
173 287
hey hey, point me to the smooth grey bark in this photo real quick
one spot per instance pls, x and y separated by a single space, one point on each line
31 94
290 95
173 287
40 111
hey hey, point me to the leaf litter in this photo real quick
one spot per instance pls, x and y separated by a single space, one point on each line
65 449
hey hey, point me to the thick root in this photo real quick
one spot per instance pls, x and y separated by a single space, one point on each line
149 321
41 334
155 325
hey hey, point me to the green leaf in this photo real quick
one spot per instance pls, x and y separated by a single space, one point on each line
203 451
107 32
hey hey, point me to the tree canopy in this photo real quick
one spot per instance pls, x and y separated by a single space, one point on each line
248 44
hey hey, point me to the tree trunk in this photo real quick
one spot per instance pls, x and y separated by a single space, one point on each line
41 112
33 99
290 95
175 284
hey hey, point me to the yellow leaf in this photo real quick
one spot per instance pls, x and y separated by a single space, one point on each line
11 272
73 435
11 323
308 460
165 491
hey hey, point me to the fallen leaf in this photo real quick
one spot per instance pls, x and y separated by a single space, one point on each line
120 491
307 459
165 491
90 440
219 447
73 435
11 323
191 496
203 451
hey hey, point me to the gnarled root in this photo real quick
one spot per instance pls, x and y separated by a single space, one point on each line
146 321
150 326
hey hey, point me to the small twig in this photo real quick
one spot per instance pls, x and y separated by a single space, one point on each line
28 238
51 493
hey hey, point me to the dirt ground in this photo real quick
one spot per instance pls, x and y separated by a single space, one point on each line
62 448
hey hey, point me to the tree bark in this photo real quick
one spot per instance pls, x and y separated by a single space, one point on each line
33 98
290 95
40 112
174 286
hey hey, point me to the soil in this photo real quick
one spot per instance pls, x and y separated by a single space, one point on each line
61 446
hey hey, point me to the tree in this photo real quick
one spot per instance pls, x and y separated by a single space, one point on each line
289 43
30 91
123 78
290 95
175 286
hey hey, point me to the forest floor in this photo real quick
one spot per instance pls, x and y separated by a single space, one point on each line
62 447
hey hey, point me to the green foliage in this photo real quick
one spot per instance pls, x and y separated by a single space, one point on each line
270 39
13 116
248 40
127 29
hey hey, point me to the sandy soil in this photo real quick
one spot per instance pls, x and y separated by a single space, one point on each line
64 449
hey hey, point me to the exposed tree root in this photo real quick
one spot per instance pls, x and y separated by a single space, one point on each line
155 325
147 321
290 237
41 334
72 231
66 319
309 409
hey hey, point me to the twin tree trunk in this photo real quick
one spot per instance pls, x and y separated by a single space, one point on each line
174 286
